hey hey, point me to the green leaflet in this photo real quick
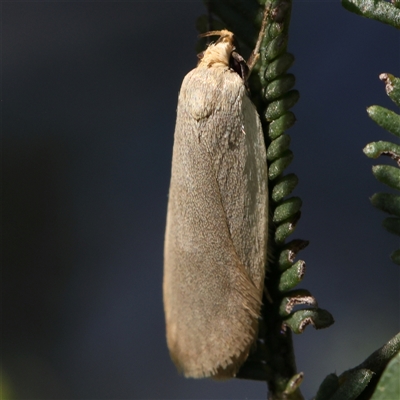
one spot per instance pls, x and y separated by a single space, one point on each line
389 384
381 11
387 174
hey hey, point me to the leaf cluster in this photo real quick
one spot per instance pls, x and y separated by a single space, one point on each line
387 174
271 90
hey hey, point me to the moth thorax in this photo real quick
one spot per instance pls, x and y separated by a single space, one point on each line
220 51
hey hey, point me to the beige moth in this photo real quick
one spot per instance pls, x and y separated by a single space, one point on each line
217 221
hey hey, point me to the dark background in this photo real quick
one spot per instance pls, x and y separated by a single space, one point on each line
89 93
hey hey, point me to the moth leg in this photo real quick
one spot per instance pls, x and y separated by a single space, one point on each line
239 65
255 55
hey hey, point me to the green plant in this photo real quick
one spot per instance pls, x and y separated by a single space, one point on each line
271 88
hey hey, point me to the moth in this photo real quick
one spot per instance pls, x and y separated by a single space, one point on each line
217 220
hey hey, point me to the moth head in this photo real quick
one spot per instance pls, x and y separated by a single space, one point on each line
220 51
223 52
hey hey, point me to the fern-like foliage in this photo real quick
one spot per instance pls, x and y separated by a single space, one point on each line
388 13
360 383
389 175
271 89
377 377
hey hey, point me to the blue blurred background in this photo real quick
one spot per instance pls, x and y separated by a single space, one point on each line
89 98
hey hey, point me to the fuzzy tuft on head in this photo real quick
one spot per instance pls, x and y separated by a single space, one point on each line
220 51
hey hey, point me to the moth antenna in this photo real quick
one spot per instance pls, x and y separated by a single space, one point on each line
210 33
223 33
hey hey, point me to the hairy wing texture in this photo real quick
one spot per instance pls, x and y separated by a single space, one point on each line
216 234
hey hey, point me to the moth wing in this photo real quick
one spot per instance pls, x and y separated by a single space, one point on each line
212 288
242 179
